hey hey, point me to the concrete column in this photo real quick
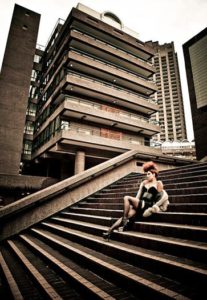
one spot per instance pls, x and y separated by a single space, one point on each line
79 162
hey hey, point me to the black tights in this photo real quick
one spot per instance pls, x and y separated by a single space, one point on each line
130 207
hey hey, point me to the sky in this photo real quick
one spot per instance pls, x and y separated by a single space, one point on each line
157 20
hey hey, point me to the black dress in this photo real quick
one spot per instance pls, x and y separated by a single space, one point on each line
148 198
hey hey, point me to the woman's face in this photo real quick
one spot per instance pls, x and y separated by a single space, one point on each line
150 176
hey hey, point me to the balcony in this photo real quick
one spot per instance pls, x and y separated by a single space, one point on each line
82 85
106 72
80 109
110 35
113 55
69 141
94 113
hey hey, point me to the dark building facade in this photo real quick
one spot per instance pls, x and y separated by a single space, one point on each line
169 95
195 53
91 97
14 83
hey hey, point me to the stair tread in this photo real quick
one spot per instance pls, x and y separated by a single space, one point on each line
187 243
120 210
188 264
160 213
145 277
164 255
202 228
83 275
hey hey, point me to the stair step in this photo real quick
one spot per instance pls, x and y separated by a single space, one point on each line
91 286
188 207
170 191
175 246
9 278
160 257
134 187
52 285
192 198
173 207
25 285
169 266
194 232
182 178
186 168
197 219
139 281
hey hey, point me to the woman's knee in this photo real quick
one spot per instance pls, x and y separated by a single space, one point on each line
126 199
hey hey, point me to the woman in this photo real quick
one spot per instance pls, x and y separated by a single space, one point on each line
151 198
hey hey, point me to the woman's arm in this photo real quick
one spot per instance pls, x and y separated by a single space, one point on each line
160 186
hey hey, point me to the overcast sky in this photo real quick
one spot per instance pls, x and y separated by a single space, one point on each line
157 20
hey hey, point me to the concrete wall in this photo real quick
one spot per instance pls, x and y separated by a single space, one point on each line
14 86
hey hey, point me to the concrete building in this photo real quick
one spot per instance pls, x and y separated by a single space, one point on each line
184 149
169 94
195 53
14 83
92 96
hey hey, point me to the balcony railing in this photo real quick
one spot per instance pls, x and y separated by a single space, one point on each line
113 66
113 47
91 132
119 113
129 92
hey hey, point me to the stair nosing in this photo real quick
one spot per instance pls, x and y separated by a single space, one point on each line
132 251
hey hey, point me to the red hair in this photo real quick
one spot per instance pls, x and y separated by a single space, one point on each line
150 166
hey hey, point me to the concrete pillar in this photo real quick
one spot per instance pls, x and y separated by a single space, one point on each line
79 162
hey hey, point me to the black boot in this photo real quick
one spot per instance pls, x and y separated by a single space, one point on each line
106 236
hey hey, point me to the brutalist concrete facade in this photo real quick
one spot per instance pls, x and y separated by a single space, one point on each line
93 93
14 84
169 95
195 53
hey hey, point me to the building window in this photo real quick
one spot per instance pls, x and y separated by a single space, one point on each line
27 149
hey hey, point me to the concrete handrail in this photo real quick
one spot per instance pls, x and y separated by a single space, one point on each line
65 185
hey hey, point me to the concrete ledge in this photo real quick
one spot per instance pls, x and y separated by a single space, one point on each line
8 181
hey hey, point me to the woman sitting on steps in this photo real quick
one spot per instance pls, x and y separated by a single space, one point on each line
151 198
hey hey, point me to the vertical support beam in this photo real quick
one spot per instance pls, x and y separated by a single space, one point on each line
79 162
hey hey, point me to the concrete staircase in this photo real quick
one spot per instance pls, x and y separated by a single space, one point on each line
161 257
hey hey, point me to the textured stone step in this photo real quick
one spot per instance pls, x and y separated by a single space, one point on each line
188 207
91 285
138 280
174 246
103 217
132 189
170 191
186 169
173 207
26 286
182 178
38 275
182 231
13 291
192 198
